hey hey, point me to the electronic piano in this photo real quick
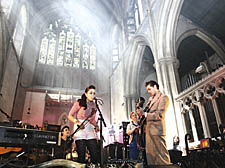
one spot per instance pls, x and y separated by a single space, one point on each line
11 136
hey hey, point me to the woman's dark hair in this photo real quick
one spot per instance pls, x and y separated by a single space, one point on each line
152 84
83 100
89 87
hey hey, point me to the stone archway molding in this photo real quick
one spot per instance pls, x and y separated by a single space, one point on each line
134 64
212 41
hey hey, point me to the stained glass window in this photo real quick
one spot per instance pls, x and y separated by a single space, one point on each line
115 46
92 57
85 56
61 47
69 48
43 50
51 51
76 61
63 44
134 16
140 9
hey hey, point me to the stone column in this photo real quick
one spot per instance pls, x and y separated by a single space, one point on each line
193 127
168 79
133 102
203 117
130 104
217 115
1 46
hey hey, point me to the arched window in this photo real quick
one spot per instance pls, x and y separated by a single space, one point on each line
20 29
134 16
139 12
64 44
77 50
93 56
115 46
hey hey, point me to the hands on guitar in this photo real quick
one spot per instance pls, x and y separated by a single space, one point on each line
97 129
78 124
90 117
137 129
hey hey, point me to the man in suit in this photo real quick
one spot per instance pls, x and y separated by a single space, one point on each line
156 150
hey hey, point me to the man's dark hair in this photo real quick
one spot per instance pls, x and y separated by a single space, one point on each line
66 126
152 84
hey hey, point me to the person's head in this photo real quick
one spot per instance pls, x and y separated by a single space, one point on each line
133 116
152 87
89 95
90 92
65 131
176 140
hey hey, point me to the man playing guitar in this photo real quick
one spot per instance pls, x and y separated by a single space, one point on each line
141 133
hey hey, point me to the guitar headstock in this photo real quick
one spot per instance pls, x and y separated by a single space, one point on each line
140 102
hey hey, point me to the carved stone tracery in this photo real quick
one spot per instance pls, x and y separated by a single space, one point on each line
208 88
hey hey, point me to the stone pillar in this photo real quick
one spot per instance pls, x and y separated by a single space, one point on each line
193 127
203 117
217 115
158 72
133 102
130 104
167 70
2 46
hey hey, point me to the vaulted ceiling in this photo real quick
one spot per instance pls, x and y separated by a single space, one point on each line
208 14
94 12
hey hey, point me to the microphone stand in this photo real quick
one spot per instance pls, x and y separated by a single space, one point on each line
101 119
79 127
7 116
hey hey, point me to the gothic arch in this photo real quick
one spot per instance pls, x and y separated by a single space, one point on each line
134 62
210 40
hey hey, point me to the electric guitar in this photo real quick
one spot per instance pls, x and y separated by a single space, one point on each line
81 125
142 123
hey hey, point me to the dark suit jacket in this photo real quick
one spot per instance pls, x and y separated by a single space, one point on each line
156 116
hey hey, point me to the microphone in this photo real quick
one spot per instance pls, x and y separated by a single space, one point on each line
99 100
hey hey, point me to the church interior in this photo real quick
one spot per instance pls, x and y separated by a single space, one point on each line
51 50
